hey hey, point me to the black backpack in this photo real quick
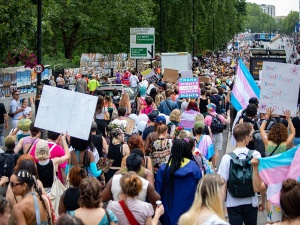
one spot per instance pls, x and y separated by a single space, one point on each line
7 164
116 100
240 176
216 124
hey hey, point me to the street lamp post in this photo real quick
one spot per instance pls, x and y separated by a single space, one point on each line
39 54
193 35
161 24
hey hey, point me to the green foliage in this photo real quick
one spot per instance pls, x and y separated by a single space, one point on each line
288 23
72 27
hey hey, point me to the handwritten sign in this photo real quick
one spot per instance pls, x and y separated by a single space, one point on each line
150 75
170 75
187 74
189 88
279 87
62 110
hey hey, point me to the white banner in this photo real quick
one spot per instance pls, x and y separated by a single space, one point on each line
279 87
62 110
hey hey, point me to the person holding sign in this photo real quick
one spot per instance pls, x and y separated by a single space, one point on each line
278 140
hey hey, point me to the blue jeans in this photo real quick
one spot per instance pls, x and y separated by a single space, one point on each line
2 135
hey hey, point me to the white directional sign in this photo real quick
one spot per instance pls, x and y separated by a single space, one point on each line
142 43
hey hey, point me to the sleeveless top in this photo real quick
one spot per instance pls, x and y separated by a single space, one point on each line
45 173
104 220
116 188
203 104
19 136
115 152
28 140
271 146
37 210
71 198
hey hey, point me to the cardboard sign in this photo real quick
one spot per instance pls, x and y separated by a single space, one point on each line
62 110
189 88
204 79
150 75
130 125
170 75
279 87
187 74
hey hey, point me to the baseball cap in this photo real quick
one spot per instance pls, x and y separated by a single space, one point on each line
253 100
133 162
161 119
198 124
153 115
211 106
42 150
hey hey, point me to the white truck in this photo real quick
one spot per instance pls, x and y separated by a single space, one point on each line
181 61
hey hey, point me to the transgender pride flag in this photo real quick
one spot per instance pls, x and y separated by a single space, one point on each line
244 88
275 169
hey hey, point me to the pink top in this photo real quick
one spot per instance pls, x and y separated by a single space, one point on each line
56 151
208 119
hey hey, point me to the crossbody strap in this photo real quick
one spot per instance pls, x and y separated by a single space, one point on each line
128 214
28 151
168 105
274 150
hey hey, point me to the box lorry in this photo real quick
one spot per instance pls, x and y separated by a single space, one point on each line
181 61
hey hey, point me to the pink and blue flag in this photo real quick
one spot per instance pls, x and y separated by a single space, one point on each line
244 88
275 169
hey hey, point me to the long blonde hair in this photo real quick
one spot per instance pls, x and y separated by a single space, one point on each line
124 101
158 99
207 195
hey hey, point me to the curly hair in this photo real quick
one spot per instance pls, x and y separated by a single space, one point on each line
278 133
131 184
135 141
175 116
90 193
77 174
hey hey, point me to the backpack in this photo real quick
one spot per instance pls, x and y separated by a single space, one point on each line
216 124
7 164
116 100
239 184
257 138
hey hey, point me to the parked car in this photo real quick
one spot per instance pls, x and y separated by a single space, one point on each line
108 88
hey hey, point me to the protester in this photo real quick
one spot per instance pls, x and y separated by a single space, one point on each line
151 123
168 105
34 208
116 151
116 98
134 82
216 99
161 148
4 211
90 211
52 81
278 140
26 144
81 84
133 163
69 199
216 122
203 101
296 123
60 81
124 102
93 84
172 179
131 186
46 167
101 116
27 110
15 109
80 156
98 140
149 107
207 207
66 219
153 93
241 209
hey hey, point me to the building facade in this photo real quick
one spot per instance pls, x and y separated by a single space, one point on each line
268 9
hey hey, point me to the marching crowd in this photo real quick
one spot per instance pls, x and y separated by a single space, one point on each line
167 169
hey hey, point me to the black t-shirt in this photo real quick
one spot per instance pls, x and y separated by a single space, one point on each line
2 112
98 143
216 100
296 123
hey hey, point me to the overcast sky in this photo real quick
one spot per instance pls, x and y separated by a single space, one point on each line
282 7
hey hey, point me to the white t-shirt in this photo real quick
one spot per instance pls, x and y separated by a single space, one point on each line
133 81
26 111
100 116
215 220
224 172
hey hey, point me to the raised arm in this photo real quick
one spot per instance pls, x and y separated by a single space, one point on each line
292 134
262 128
64 158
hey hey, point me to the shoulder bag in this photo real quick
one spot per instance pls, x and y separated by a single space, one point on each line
128 214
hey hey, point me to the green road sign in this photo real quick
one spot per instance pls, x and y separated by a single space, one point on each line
145 39
138 52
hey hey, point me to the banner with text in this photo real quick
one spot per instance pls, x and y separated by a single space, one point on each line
150 75
189 88
279 87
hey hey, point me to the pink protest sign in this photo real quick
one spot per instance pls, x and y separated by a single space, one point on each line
189 88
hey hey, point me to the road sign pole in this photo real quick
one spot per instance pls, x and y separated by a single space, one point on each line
39 54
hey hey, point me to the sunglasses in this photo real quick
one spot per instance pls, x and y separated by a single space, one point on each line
12 184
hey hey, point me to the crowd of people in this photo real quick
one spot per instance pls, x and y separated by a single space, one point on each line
170 169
